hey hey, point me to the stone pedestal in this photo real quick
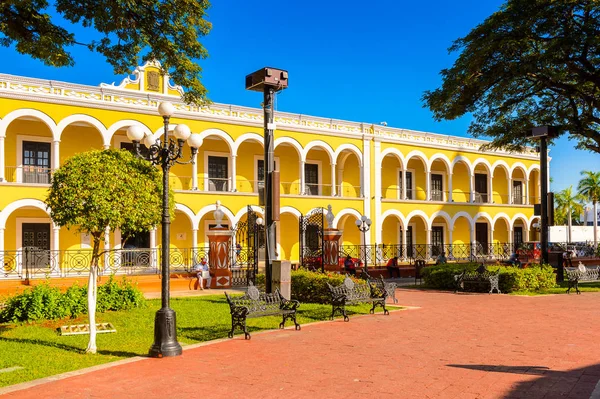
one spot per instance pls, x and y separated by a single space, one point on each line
282 277
331 249
219 239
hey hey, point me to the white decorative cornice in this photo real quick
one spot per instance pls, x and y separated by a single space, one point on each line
115 97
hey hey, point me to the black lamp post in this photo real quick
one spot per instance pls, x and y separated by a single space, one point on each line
165 153
364 224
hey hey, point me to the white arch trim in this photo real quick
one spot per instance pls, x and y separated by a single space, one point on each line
485 162
290 141
520 217
222 134
421 214
90 120
396 213
290 209
10 208
485 216
350 147
190 214
461 158
445 216
503 216
321 144
396 152
211 208
345 212
443 158
417 154
244 210
531 169
501 164
462 214
519 165
10 117
247 137
110 132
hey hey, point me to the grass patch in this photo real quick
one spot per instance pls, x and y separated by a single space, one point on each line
41 352
561 288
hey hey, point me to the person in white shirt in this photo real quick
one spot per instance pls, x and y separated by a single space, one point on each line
203 273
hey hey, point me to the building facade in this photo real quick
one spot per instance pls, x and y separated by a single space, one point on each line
424 192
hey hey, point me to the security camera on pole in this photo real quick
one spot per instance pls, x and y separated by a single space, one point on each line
269 81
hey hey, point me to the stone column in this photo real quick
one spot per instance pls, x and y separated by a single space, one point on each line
331 248
510 186
491 195
55 155
234 174
195 173
427 185
428 243
472 188
527 201
54 256
404 243
218 240
450 187
333 182
302 178
2 176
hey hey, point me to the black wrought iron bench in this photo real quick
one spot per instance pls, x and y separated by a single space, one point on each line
477 277
579 275
349 293
381 284
259 304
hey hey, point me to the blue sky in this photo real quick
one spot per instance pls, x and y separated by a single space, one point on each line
354 60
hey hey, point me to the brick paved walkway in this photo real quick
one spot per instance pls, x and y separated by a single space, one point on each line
452 346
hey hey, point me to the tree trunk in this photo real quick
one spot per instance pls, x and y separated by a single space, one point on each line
569 224
595 225
92 296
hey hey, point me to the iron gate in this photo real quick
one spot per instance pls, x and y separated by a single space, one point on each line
311 239
245 245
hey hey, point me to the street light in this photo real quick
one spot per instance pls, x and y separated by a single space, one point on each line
165 153
364 224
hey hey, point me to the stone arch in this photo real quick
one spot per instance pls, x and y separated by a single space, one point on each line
520 217
222 134
420 155
292 210
420 214
462 214
12 116
501 164
519 165
484 215
321 144
345 212
90 120
504 217
110 132
290 141
531 169
350 147
486 163
445 216
247 137
442 158
211 208
238 216
465 160
189 213
396 213
13 206
395 152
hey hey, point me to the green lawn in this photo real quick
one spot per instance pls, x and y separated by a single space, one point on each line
41 352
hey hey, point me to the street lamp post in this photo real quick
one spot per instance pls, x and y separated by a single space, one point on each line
165 153
364 224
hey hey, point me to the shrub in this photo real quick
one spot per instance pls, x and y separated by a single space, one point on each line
533 278
311 287
43 302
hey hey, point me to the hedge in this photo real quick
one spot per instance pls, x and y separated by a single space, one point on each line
44 302
311 287
531 279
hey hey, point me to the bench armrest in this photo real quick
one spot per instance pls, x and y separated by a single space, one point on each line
239 311
286 304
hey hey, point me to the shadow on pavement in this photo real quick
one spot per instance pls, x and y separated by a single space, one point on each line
576 383
68 348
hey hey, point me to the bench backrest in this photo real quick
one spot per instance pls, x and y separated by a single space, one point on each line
350 289
256 301
589 273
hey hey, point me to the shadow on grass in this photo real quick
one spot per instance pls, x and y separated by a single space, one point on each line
68 348
575 383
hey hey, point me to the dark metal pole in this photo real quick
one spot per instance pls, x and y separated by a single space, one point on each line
269 94
165 331
544 200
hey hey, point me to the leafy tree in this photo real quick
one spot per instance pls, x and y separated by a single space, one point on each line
569 205
533 62
589 188
166 30
95 190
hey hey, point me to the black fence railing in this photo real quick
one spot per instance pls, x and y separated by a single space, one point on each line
379 254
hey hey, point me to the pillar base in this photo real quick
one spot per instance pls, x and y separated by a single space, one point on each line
165 335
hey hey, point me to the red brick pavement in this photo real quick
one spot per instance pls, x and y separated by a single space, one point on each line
452 346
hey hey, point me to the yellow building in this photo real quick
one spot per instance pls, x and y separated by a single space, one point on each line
424 192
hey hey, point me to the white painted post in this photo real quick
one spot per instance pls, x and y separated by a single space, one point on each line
195 173
2 177
234 174
333 179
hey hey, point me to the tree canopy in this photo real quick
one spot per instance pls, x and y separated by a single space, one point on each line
165 30
532 63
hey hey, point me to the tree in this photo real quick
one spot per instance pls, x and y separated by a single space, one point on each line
95 190
165 30
533 62
568 204
589 188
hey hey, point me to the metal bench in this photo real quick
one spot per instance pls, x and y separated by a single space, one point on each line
581 275
477 278
259 304
381 284
349 293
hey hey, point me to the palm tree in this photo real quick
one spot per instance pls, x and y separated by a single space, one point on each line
568 203
589 187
